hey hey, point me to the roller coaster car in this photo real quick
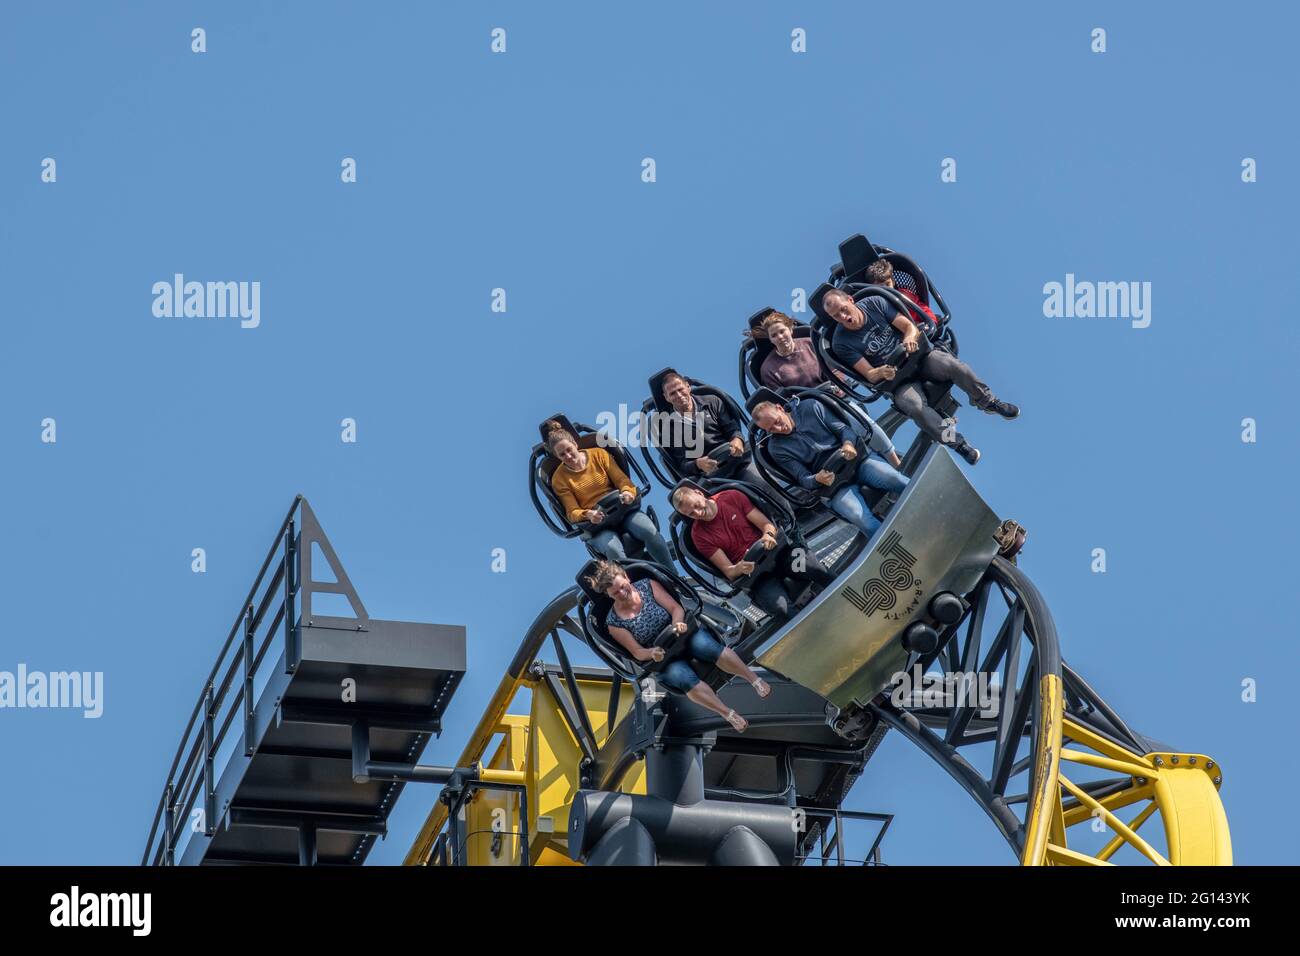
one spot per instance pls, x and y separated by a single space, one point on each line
896 597
755 349
844 469
542 465
701 569
594 606
657 409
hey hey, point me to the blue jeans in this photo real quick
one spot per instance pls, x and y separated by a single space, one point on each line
848 502
678 672
639 525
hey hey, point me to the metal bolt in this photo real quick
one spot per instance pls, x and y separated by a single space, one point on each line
1218 780
1173 759
1159 761
1209 765
1192 761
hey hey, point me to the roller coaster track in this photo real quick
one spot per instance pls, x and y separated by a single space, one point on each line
1048 720
1012 762
1048 760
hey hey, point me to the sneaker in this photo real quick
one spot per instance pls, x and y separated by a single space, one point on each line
969 452
998 407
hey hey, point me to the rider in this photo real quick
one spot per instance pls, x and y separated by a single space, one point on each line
583 478
641 611
725 525
792 362
698 423
882 272
802 434
874 338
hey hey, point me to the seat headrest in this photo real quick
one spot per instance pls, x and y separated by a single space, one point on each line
815 301
906 265
636 571
763 394
656 383
856 254
756 320
558 419
685 483
756 325
587 571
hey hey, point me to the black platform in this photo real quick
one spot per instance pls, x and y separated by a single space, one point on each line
274 783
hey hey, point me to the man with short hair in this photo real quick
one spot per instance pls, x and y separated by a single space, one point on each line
802 434
725 525
874 338
698 423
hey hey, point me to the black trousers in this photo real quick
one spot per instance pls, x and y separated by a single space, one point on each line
939 366
769 590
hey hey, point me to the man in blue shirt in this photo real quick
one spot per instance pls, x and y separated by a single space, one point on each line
803 434
874 339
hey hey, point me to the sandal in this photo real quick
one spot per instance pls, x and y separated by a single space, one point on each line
761 688
738 723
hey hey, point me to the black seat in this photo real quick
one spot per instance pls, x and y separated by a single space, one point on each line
593 607
542 465
823 330
701 569
756 347
857 253
845 470
657 409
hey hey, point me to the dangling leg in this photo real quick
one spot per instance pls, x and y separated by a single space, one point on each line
910 400
607 543
639 525
705 647
681 675
941 366
848 504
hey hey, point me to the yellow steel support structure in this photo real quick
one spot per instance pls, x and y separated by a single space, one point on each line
1182 788
540 751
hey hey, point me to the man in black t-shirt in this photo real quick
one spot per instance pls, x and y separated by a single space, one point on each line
874 339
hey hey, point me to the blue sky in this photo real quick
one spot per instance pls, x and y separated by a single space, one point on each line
522 171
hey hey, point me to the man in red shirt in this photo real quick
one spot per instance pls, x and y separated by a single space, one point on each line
724 526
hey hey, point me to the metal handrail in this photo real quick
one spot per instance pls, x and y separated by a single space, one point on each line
205 742
835 844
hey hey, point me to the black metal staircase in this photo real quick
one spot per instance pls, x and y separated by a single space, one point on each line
308 724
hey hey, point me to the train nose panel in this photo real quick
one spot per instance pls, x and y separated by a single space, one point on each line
846 644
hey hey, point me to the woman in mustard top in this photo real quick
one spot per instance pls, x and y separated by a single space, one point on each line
584 476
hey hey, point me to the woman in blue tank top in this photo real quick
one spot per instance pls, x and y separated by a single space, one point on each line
641 611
